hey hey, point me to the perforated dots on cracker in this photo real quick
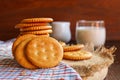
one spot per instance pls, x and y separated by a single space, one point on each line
44 52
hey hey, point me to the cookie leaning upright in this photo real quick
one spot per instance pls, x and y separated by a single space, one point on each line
44 52
20 55
20 39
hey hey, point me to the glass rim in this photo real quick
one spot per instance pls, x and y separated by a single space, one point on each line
89 21
93 23
54 22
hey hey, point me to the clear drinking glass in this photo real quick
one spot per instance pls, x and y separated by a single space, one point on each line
91 32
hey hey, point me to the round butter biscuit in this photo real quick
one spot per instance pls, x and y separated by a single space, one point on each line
44 52
77 55
68 48
37 32
25 25
43 35
33 20
36 28
20 39
20 55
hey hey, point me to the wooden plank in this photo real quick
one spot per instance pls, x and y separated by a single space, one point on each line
114 69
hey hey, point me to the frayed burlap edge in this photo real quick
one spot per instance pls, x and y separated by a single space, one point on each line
103 52
89 70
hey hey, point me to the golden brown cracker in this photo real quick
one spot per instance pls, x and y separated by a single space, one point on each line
20 39
20 56
37 32
29 20
26 25
73 47
77 55
36 28
43 35
44 52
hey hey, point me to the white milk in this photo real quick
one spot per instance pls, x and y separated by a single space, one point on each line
95 35
61 31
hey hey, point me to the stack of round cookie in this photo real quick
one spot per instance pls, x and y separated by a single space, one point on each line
37 26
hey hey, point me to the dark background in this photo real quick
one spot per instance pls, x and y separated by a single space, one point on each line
13 11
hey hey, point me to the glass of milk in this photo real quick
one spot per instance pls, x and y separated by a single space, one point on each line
61 31
90 32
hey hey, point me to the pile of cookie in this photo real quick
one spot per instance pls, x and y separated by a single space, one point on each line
76 52
37 26
34 48
32 51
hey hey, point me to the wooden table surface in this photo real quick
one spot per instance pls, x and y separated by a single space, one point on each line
114 69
